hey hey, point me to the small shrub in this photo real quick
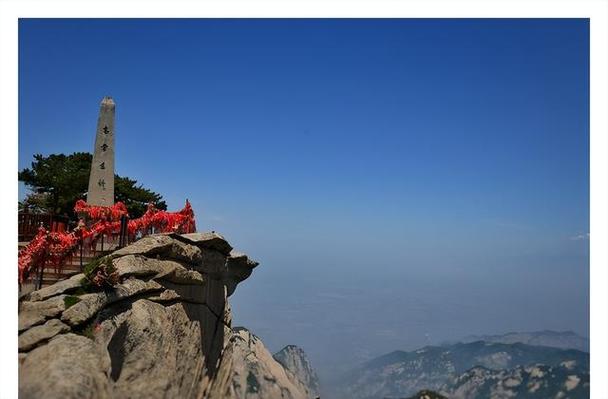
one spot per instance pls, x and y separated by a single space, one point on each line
70 300
88 331
100 274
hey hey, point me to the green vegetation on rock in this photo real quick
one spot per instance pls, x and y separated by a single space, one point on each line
100 273
70 300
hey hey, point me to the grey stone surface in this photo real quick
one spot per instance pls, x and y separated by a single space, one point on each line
34 313
90 304
248 370
207 240
165 296
230 270
188 293
157 353
60 287
137 265
101 178
164 247
69 366
37 334
227 319
216 297
294 359
131 287
86 308
238 268
184 276
212 263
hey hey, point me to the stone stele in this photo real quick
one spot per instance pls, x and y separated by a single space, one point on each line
101 179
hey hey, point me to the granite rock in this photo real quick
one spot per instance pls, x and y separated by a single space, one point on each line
38 334
164 331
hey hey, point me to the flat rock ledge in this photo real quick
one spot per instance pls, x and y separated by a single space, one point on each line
159 333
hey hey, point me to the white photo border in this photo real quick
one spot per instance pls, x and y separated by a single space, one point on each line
595 10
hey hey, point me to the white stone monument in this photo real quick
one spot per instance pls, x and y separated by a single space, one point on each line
101 179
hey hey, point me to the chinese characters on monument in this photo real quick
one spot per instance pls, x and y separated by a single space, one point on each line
101 179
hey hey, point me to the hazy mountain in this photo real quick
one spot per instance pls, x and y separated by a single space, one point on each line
401 374
555 339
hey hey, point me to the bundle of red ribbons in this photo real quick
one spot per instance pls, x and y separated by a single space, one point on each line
54 248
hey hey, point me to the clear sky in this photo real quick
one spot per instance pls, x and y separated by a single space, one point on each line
402 182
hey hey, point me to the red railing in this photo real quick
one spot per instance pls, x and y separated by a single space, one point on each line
86 249
30 222
109 228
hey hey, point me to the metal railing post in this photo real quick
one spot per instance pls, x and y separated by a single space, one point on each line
40 274
121 234
81 249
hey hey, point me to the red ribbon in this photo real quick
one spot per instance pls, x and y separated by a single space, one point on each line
57 247
113 212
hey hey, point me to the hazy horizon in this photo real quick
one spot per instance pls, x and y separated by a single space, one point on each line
401 182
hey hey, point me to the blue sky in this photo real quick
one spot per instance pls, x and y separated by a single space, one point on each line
402 182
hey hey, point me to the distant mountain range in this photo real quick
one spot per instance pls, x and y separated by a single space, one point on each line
472 370
555 339
532 382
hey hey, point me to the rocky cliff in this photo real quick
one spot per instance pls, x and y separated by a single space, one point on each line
253 373
294 359
162 330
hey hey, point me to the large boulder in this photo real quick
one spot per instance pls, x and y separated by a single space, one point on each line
164 246
68 366
38 334
37 312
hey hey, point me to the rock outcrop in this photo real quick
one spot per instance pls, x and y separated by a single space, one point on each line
164 331
248 370
294 359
